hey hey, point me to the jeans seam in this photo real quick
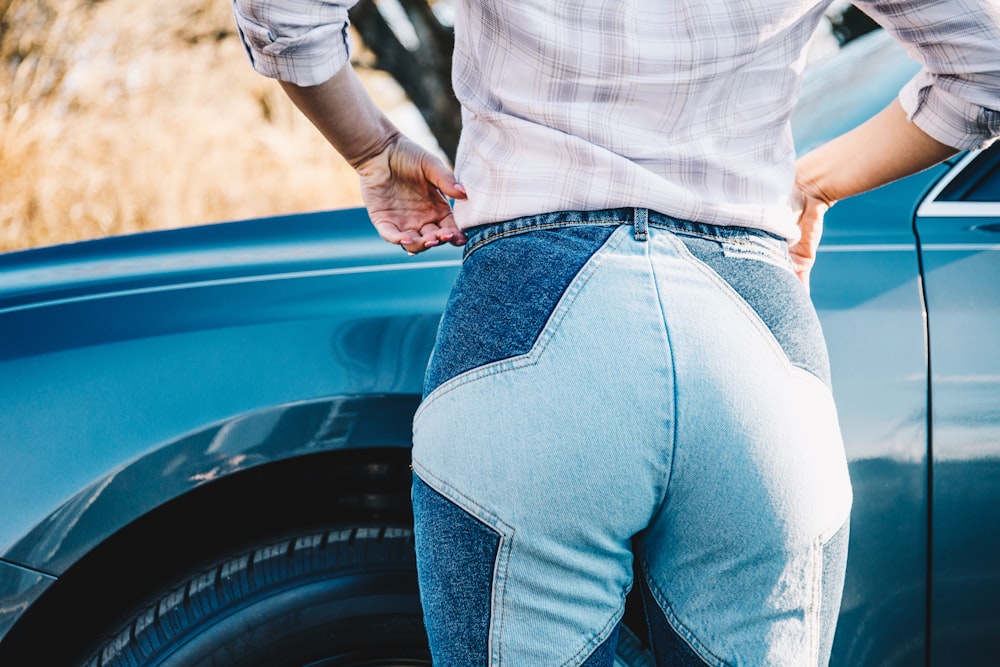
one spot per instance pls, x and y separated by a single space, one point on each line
532 356
816 602
796 368
602 635
752 317
673 380
828 534
682 630
542 226
816 611
504 548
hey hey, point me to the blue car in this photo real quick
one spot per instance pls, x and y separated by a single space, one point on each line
205 432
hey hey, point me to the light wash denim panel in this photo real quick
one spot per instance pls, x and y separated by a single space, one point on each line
619 382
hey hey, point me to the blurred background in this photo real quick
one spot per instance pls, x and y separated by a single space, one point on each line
118 116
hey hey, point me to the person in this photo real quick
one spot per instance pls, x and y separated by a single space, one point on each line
629 376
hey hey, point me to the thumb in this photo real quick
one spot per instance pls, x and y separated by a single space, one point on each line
441 177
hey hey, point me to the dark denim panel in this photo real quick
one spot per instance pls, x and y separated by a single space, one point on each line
506 291
776 295
456 554
604 655
668 647
612 217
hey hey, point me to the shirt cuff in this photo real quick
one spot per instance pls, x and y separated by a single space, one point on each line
304 56
947 117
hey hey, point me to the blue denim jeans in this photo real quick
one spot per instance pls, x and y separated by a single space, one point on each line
618 385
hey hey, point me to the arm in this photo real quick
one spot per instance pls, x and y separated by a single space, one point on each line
952 104
883 149
403 186
303 44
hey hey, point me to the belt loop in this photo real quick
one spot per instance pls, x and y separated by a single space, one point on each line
641 224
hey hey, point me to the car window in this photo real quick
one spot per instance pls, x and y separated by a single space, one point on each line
970 189
978 182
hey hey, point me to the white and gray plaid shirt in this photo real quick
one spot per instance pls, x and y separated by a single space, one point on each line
680 107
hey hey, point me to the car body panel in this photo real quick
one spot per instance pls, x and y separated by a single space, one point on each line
258 438
19 589
867 289
866 286
960 249
129 372
108 378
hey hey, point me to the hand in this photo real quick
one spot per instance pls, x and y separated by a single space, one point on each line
884 148
803 251
405 190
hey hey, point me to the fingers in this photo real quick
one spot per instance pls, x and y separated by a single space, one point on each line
428 236
810 222
434 234
407 191
438 175
410 240
448 231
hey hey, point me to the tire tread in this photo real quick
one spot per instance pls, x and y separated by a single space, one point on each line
180 608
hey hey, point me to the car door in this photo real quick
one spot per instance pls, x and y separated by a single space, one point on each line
958 227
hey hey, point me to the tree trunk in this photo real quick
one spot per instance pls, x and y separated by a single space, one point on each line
424 72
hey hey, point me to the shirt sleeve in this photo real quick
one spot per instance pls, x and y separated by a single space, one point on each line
955 98
304 42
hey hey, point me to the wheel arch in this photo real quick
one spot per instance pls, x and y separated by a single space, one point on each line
298 485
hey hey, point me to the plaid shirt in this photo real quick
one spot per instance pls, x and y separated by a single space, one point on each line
682 107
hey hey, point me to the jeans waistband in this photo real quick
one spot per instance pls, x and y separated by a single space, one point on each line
641 220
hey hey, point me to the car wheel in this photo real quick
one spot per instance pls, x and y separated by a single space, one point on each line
324 598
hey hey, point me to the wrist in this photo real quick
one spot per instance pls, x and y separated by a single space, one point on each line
811 190
813 181
346 116
378 142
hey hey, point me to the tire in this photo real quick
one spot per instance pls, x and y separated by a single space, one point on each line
342 596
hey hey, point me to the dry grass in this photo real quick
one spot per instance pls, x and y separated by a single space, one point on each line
119 116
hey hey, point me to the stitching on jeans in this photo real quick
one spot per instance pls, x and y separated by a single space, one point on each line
562 308
821 544
682 630
753 248
468 504
504 549
683 230
816 602
752 316
602 636
543 226
532 356
753 245
491 521
673 379
757 253
831 532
